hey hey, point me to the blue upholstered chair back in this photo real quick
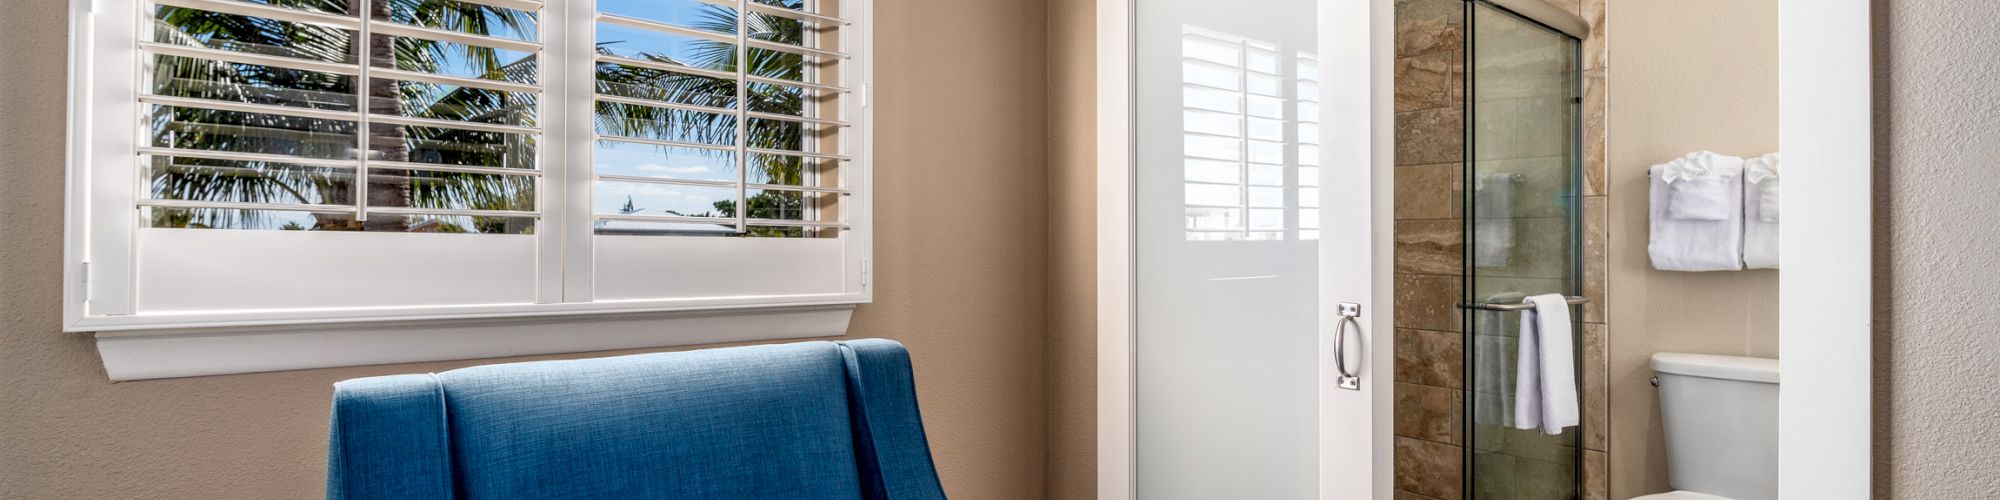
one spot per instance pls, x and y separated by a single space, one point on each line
798 421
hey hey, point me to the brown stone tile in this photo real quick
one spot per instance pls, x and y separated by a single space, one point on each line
1594 396
1594 172
1425 412
1596 476
1429 358
1430 191
1404 495
1427 302
1596 243
1433 80
1429 247
1425 26
1430 136
1593 46
1428 468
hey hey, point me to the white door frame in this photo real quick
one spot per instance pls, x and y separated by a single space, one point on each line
1365 36
1825 121
1825 98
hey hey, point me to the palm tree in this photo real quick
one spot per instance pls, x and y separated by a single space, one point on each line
694 126
269 182
272 182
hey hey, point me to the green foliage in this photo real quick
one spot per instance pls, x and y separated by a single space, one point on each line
278 182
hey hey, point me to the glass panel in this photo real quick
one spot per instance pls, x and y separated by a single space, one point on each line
679 125
450 146
791 170
203 179
646 160
1227 325
453 59
256 35
453 103
452 15
1522 208
176 76
648 228
284 220
635 198
685 13
450 190
221 218
672 48
213 130
665 86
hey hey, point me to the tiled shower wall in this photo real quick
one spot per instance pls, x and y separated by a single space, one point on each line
1429 237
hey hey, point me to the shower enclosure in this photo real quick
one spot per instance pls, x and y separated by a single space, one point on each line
1523 212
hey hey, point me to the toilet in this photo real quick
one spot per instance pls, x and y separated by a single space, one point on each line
1721 418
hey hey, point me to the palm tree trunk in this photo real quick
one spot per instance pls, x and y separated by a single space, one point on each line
386 142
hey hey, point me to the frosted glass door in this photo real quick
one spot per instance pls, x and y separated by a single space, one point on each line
1227 249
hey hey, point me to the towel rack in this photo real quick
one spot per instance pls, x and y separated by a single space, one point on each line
1483 306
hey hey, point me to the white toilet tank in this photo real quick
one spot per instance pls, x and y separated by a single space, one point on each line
1721 416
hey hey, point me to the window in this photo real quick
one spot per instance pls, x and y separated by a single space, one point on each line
259 162
1250 144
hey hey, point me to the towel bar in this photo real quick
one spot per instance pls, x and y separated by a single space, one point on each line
1515 307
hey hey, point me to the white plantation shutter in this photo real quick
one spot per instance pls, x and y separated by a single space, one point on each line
247 162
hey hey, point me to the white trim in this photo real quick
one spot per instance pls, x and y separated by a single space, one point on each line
1825 294
1115 430
152 355
102 219
1357 129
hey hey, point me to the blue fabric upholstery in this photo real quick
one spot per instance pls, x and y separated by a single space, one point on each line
807 420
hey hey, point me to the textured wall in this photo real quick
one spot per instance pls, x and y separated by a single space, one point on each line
1691 75
960 277
1072 282
1937 204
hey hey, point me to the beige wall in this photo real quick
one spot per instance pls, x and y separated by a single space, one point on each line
1937 271
961 281
1072 283
1691 75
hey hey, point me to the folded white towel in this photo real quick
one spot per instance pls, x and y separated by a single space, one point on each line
1762 174
1760 212
1545 377
1702 183
1493 220
1693 245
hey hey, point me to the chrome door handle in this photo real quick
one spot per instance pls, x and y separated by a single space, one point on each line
1349 313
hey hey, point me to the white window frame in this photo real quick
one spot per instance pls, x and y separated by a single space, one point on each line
565 313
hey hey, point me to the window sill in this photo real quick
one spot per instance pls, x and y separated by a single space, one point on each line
153 354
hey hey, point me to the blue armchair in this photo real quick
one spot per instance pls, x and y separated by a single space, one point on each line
834 420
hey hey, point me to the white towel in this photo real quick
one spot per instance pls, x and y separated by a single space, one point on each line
1693 245
1545 380
1703 186
1760 212
1493 222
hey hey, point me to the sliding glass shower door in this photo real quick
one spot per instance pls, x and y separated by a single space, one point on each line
1523 225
